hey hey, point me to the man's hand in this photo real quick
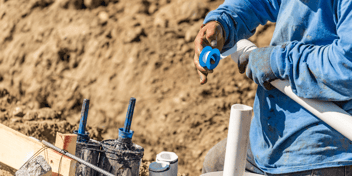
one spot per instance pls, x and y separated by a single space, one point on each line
210 34
256 64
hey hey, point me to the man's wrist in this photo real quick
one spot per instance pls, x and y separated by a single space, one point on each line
277 63
222 30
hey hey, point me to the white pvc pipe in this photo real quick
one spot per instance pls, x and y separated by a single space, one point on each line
159 168
171 158
328 112
237 140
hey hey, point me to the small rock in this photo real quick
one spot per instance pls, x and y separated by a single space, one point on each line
152 8
190 35
33 105
196 153
18 112
88 3
192 32
3 116
70 4
103 17
134 8
26 27
185 48
132 35
160 21
164 2
162 117
16 119
92 3
171 54
36 167
229 89
251 94
47 113
191 10
31 115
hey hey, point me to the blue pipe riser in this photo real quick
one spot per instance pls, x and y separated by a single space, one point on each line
129 115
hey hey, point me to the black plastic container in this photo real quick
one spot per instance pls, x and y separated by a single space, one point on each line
88 151
121 157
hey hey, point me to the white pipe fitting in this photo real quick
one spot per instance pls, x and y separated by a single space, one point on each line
159 168
171 158
237 142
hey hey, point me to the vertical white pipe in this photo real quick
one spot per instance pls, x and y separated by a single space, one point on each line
171 158
237 140
159 168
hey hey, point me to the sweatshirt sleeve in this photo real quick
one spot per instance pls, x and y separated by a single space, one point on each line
319 72
239 18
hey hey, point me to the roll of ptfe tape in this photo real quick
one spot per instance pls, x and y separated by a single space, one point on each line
209 57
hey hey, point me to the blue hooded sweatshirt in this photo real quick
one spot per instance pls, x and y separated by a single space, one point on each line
312 48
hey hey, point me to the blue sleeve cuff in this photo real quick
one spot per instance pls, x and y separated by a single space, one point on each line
221 21
278 62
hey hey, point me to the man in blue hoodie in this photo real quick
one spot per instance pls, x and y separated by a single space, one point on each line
312 49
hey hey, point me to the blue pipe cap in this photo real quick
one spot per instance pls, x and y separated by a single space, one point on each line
125 135
209 55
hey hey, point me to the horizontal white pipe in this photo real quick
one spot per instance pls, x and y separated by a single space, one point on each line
328 112
237 140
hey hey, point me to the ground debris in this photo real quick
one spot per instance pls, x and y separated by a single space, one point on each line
36 167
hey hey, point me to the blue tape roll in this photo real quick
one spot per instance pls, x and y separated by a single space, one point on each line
207 55
125 135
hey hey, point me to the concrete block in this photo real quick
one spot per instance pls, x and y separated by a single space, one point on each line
36 167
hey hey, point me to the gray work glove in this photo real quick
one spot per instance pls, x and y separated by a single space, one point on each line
256 64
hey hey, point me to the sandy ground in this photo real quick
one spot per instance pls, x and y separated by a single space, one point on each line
55 53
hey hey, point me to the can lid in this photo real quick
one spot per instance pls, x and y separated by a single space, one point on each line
170 157
159 166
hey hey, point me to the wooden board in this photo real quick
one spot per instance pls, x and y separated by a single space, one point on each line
16 148
66 142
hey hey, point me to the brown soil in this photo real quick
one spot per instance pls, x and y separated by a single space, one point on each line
55 53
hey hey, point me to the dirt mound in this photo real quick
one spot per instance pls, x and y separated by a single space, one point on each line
55 53
40 123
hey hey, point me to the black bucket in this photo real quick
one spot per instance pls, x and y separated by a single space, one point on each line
122 159
88 151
